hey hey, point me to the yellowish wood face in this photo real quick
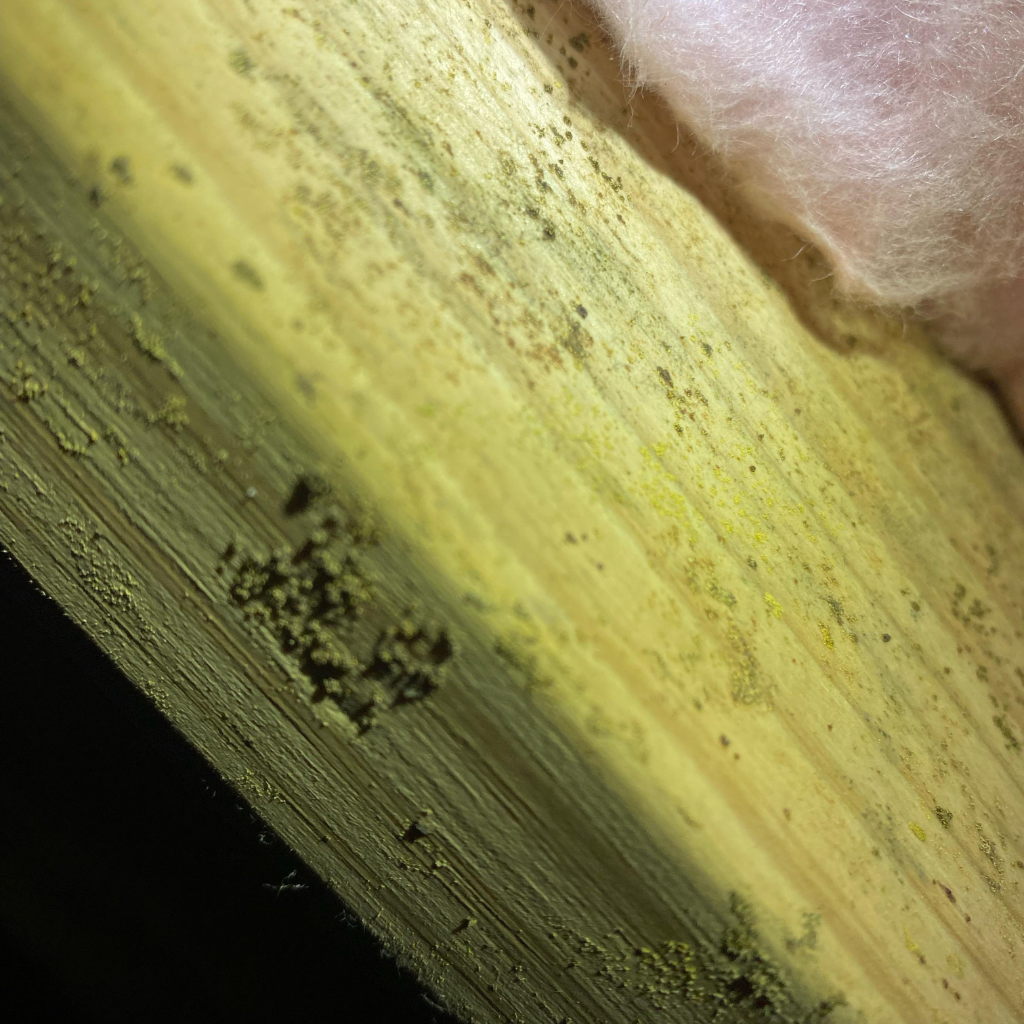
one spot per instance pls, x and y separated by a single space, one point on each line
758 556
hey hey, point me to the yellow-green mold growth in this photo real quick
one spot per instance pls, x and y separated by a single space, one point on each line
320 602
151 344
1012 743
25 385
171 413
734 978
826 636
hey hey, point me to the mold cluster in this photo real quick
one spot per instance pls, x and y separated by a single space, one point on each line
320 601
734 978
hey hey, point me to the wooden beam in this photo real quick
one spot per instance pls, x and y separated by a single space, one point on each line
626 629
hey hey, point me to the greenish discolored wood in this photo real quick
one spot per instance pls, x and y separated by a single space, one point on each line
169 510
422 423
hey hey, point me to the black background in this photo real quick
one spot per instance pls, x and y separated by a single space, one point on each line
134 885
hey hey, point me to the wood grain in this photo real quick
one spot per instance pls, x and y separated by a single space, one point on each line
626 628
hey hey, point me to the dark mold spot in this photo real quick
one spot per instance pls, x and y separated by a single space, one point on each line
121 168
182 173
309 488
418 829
241 63
247 273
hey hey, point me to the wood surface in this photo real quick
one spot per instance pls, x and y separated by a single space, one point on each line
624 627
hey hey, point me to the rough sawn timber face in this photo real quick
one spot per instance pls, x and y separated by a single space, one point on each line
624 636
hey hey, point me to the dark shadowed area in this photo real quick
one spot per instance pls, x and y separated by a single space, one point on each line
135 885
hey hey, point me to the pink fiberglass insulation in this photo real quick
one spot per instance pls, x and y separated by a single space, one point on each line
889 133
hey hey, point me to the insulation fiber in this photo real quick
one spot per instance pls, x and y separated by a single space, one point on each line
891 134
